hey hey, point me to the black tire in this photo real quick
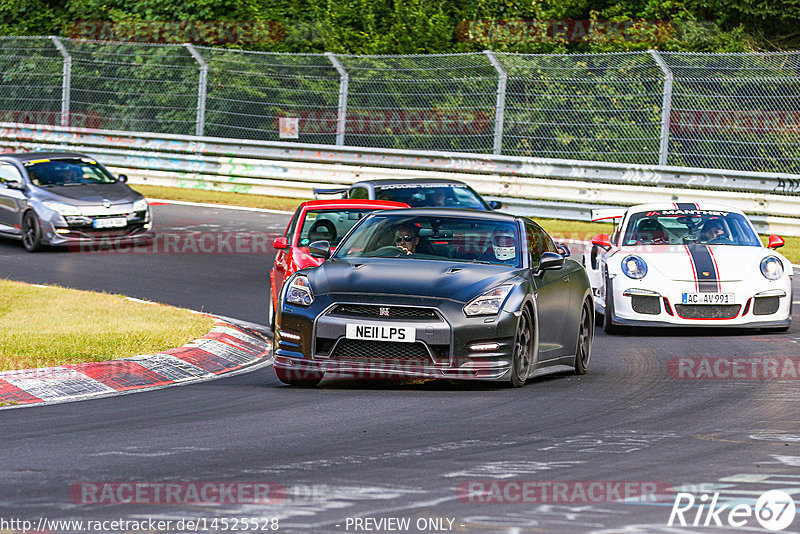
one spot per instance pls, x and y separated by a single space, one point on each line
271 311
297 377
583 348
608 326
31 232
523 350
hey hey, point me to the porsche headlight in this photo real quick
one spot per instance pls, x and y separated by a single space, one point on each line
634 267
299 292
140 205
771 268
60 207
488 303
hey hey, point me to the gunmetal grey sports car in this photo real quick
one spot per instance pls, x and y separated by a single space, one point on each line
62 198
436 293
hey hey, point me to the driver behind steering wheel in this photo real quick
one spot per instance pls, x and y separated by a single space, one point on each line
406 237
712 230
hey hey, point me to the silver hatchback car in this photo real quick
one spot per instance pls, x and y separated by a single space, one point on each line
63 198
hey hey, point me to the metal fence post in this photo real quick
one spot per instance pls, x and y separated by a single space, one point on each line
500 106
666 107
202 90
66 79
344 83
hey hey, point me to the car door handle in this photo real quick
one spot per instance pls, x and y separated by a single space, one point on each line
566 279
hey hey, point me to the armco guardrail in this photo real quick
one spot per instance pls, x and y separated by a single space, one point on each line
291 170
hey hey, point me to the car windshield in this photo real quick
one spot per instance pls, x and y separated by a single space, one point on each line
463 239
47 172
329 225
685 227
431 196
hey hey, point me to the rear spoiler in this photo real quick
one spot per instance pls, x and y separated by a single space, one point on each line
333 191
607 214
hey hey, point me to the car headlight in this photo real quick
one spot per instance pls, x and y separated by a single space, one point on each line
634 267
771 268
140 205
60 207
299 292
488 303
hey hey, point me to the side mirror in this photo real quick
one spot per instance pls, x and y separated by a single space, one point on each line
551 262
13 184
563 249
602 241
280 243
775 241
495 204
320 249
123 178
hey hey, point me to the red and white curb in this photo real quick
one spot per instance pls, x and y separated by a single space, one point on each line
224 350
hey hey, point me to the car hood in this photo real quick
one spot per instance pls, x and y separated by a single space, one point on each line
91 194
732 263
401 276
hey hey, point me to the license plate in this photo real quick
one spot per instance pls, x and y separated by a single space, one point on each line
114 222
707 298
402 334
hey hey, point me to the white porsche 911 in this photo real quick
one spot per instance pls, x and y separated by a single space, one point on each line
687 265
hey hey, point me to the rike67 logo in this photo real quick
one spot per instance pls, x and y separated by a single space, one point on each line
774 510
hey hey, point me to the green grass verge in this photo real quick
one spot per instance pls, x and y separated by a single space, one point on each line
556 227
48 326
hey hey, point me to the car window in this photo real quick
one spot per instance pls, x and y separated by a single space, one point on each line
329 225
462 239
538 242
292 226
9 173
359 193
67 172
686 227
426 196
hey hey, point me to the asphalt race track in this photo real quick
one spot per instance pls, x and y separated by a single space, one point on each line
388 452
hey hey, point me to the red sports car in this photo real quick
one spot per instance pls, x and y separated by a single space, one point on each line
315 220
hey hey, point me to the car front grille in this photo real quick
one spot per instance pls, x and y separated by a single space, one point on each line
354 350
384 312
646 305
766 305
708 311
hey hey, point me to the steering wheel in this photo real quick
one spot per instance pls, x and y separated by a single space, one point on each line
392 248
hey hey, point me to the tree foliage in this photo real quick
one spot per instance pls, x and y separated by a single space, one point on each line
440 26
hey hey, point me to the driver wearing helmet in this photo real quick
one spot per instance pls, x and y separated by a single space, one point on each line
503 248
712 230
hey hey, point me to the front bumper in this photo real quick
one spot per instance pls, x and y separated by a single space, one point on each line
448 344
762 304
79 231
